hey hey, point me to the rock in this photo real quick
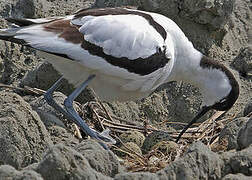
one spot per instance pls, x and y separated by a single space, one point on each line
238 162
23 8
117 3
47 113
136 176
244 136
59 127
44 76
126 110
133 136
153 138
214 14
159 111
9 172
29 8
230 132
23 136
101 160
169 9
62 162
198 162
49 119
248 108
31 167
62 135
208 12
14 63
243 61
238 176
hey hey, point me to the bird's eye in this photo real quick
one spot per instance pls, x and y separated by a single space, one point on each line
159 50
164 48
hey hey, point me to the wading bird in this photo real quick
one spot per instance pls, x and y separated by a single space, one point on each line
123 54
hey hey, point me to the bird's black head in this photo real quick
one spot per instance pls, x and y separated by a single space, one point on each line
227 102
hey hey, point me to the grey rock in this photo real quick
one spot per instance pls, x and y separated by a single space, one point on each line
47 113
101 160
231 130
170 9
180 99
117 3
127 110
29 8
14 63
43 76
9 172
243 61
23 136
208 12
23 8
136 176
238 176
248 108
62 135
244 138
238 162
214 14
31 167
199 162
62 162
54 120
49 119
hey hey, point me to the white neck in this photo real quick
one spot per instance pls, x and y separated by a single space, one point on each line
213 83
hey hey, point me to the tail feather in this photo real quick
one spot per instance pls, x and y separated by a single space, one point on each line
21 22
9 35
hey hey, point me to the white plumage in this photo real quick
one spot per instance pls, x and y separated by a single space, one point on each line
128 36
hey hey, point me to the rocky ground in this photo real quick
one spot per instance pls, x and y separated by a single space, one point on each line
38 143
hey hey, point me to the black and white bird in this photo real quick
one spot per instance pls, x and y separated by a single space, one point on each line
123 54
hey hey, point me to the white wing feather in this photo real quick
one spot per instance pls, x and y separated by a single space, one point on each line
128 36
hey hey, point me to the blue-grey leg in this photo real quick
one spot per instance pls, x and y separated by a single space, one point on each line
49 99
78 120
